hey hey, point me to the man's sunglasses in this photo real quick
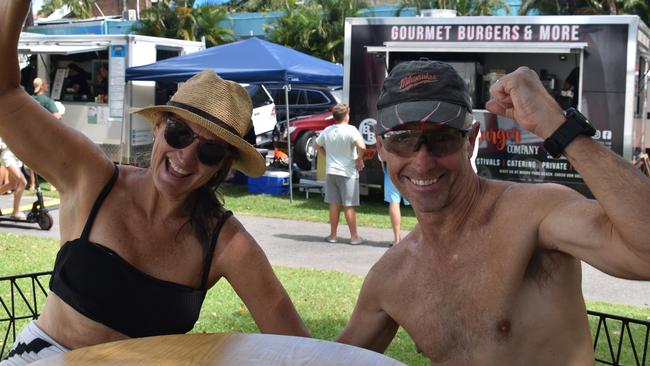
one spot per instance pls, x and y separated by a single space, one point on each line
440 142
179 136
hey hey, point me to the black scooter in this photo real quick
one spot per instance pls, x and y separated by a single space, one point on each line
38 214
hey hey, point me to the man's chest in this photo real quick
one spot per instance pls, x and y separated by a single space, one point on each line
451 320
468 303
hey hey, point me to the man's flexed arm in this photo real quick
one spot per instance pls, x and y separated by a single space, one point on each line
609 233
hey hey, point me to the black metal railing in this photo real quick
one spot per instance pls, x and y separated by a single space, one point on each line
20 299
619 340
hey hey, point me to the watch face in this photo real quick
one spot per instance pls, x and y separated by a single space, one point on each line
572 115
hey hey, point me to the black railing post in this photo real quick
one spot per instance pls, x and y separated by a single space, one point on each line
616 356
30 303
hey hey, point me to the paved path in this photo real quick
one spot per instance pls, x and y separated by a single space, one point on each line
300 244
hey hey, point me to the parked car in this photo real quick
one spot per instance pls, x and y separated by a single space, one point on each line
303 131
264 113
304 99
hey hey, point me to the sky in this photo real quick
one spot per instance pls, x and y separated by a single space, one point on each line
36 5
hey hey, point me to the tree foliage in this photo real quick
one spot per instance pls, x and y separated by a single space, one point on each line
255 5
462 7
585 7
316 28
181 21
82 9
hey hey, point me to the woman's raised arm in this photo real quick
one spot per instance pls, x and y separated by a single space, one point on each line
62 155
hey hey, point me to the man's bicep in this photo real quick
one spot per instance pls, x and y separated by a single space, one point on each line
579 227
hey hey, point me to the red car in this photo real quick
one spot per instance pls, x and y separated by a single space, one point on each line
304 131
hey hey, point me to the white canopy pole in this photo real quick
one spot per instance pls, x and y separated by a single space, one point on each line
287 87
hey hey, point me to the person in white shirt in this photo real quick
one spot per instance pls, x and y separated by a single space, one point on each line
343 146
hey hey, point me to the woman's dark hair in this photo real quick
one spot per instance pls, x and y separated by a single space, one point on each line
206 203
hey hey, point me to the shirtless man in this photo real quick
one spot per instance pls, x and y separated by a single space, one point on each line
491 274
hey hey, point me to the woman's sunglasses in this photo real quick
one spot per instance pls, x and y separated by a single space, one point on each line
179 136
440 142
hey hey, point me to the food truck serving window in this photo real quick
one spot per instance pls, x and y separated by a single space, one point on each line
481 63
76 70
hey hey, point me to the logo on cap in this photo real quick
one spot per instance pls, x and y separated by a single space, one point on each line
411 81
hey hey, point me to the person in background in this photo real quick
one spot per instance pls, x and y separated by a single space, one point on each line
343 146
77 81
27 74
394 199
141 247
41 95
570 92
101 83
4 173
15 179
491 274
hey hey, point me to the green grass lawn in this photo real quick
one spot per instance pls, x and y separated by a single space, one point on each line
373 211
324 299
47 190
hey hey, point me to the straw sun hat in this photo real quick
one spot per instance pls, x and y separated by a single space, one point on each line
221 107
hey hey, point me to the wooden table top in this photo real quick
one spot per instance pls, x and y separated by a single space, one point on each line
220 349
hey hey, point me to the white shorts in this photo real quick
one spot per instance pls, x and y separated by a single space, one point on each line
32 344
9 159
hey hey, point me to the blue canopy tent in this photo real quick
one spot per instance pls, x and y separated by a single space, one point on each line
248 61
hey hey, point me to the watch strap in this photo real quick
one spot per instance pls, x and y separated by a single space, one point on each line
574 125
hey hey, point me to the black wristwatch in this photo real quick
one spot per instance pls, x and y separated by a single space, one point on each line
575 124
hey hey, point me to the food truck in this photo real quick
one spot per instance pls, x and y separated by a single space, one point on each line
597 64
99 108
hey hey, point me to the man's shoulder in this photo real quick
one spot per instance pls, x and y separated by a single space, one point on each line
324 135
351 128
514 197
329 128
350 132
394 259
538 190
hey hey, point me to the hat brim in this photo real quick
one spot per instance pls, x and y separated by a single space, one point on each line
425 111
249 161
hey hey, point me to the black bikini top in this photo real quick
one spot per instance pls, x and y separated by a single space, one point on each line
102 286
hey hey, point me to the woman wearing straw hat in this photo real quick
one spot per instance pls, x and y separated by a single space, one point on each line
140 247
